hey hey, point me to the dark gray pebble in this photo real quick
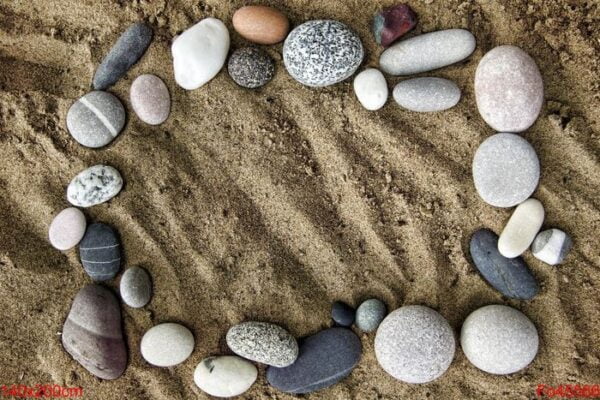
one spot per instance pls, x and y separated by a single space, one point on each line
100 252
342 314
250 67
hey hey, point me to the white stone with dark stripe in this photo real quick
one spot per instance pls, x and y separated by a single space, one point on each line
551 246
96 119
100 252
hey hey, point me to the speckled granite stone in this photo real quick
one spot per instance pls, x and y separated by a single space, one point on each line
263 342
94 185
251 67
426 94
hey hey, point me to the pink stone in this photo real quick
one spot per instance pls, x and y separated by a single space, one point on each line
392 23
150 99
67 229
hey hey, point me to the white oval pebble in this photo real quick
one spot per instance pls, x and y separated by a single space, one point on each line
67 228
167 344
371 89
225 376
551 246
94 185
427 94
199 53
150 99
521 228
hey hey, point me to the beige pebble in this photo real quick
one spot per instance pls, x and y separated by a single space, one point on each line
261 24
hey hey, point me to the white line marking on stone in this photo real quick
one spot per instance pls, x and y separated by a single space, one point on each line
100 262
98 248
100 116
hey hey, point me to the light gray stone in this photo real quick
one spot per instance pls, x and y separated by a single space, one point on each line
263 342
94 185
426 94
166 345
96 119
369 315
135 287
150 99
551 246
225 376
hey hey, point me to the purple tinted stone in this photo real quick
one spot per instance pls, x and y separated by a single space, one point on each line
393 22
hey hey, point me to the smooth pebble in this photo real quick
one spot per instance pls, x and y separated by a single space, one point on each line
251 67
150 99
166 345
392 23
426 94
100 252
96 119
263 342
521 228
67 229
551 246
94 185
225 376
371 89
135 287
369 315
342 314
261 24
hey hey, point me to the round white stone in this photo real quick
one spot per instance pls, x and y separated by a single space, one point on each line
499 339
371 89
225 376
167 344
523 225
67 228
426 94
199 53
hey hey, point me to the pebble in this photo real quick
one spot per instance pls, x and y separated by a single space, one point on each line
510 276
92 333
67 229
392 23
94 185
225 376
100 252
150 99
342 314
322 52
371 89
551 246
250 67
370 314
506 170
521 228
325 359
128 49
96 119
499 339
263 342
508 89
261 24
426 94
135 287
427 52
166 345
414 344
199 53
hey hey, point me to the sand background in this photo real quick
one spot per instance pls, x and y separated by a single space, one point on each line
270 204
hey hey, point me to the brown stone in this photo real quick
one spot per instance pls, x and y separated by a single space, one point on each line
261 24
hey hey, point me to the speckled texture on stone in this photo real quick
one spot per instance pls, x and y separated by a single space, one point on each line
427 52
369 315
67 228
96 119
508 89
128 49
225 376
506 170
552 246
392 23
414 344
263 342
100 252
251 67
322 52
325 359
135 287
426 94
166 345
94 185
499 339
510 276
150 99
342 314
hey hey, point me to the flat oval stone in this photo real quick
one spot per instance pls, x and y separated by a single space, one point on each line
325 359
369 315
508 89
166 345
96 119
250 67
94 185
499 339
521 228
510 276
426 94
263 342
128 49
150 99
371 89
551 246
427 52
199 53
506 170
392 23
67 229
322 52
225 376
92 333
342 314
414 344
261 24
135 287
100 252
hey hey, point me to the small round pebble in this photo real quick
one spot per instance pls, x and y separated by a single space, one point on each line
415 344
167 344
499 339
150 99
250 67
371 89
342 314
67 229
96 119
551 246
520 230
135 287
426 94
225 376
100 252
261 24
263 342
369 315
506 170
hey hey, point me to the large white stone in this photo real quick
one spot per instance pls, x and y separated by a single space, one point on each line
371 89
521 228
167 344
199 53
225 376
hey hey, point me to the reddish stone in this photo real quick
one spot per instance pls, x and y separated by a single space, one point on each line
392 23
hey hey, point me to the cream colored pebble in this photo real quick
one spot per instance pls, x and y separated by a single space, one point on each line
523 225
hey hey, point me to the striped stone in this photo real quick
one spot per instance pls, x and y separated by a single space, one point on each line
96 119
100 252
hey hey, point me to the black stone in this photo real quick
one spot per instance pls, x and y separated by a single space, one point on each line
250 67
100 252
342 314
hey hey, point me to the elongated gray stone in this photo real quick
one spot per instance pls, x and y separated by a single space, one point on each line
94 185
100 252
263 342
551 246
510 276
96 119
135 287
427 94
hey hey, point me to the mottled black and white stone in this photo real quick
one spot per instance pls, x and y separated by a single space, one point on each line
251 67
225 376
510 276
128 49
100 252
325 359
426 94
369 315
136 287
342 314
263 342
322 52
94 185
96 119
551 246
